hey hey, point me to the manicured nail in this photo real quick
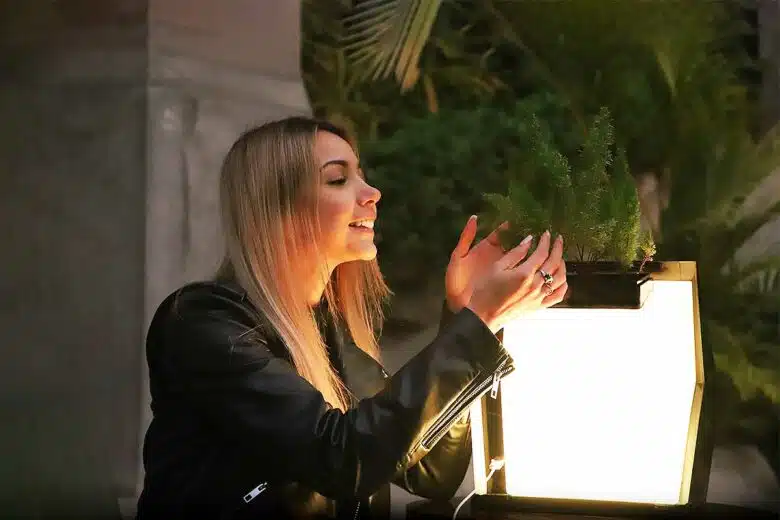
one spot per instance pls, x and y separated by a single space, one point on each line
527 239
560 238
547 233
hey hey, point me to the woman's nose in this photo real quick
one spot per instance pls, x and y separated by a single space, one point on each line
369 194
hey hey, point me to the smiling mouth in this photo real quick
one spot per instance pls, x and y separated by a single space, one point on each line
363 225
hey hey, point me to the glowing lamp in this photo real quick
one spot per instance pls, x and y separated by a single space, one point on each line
602 410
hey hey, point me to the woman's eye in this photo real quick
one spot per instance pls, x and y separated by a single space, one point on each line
337 182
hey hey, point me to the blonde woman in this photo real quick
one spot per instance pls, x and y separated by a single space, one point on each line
268 395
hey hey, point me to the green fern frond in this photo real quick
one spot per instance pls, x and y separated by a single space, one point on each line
588 195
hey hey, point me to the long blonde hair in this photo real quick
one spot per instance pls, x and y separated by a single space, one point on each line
268 190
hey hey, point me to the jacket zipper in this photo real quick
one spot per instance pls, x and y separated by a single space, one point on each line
255 492
471 393
247 498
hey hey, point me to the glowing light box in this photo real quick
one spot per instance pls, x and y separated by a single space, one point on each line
604 403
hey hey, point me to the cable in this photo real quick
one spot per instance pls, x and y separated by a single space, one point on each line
495 465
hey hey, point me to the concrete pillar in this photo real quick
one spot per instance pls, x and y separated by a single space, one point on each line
115 117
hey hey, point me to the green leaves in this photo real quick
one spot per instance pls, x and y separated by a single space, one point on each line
735 352
386 36
432 174
671 76
582 191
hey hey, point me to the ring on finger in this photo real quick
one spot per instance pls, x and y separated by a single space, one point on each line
547 277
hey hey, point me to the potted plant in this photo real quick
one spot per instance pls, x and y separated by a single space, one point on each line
587 194
594 385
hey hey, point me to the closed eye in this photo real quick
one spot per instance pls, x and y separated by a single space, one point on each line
337 182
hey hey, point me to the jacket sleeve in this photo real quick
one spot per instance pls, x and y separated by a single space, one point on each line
440 472
224 371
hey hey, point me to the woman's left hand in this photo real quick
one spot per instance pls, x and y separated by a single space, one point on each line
468 264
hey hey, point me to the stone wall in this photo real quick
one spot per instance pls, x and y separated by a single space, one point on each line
116 115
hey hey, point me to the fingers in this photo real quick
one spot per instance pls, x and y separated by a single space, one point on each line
554 265
556 296
552 262
466 237
559 275
515 255
493 238
536 285
526 286
540 255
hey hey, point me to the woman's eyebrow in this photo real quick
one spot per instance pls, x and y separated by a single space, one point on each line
338 162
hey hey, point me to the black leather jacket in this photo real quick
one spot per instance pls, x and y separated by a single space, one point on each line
236 433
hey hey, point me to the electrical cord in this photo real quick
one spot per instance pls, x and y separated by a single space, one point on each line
495 465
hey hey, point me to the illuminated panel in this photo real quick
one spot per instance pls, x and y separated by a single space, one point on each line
599 406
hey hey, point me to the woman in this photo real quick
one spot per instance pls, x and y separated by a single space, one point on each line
267 393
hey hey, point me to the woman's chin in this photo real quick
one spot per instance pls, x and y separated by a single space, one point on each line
365 253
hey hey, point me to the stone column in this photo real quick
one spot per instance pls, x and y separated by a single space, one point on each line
115 117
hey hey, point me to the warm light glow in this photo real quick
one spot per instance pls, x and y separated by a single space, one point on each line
599 406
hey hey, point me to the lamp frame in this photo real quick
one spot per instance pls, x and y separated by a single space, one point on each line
699 447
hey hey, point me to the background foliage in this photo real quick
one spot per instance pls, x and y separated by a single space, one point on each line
440 95
433 174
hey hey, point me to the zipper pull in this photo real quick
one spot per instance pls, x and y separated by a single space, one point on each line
256 491
496 381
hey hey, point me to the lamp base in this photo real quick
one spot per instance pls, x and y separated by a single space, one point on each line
489 507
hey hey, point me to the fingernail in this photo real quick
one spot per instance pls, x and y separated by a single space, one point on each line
560 238
527 239
547 233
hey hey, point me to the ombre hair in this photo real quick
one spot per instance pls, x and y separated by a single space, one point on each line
269 186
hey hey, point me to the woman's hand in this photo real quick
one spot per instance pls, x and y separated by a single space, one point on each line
468 264
512 287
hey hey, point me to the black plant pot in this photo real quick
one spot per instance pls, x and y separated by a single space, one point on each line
607 285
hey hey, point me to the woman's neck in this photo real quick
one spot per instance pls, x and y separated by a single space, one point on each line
316 286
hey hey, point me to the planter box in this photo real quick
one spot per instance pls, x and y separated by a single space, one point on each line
607 285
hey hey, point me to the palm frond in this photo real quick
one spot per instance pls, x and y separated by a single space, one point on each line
761 276
388 36
747 226
731 350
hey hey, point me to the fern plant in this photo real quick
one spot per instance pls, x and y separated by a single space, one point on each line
587 194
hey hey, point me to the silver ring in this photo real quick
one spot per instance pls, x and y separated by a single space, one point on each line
548 278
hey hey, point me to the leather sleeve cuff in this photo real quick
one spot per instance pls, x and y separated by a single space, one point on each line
484 347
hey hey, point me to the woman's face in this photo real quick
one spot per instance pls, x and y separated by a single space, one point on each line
347 203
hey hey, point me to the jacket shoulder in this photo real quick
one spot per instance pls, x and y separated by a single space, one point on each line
208 297
211 319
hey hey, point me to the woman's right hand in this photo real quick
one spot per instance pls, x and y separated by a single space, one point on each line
515 286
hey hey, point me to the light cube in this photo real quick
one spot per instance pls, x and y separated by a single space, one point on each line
604 404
